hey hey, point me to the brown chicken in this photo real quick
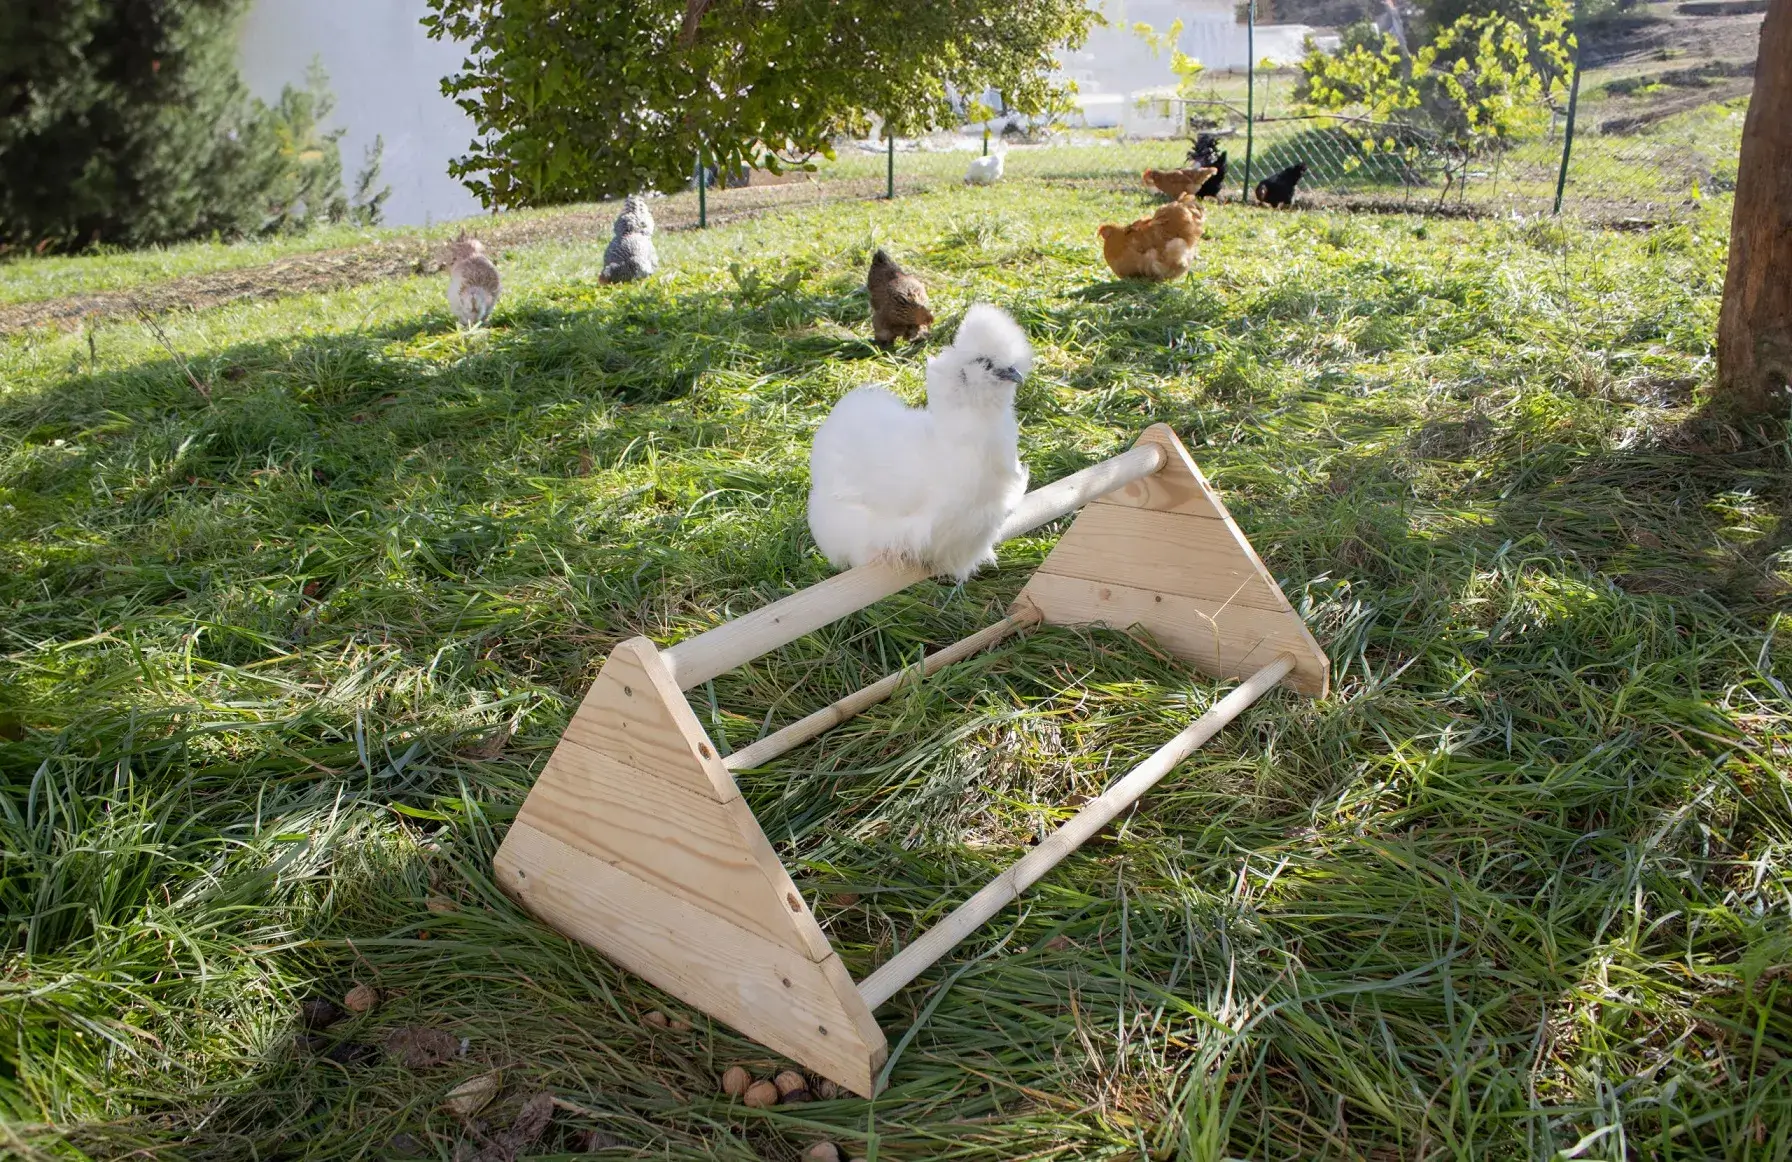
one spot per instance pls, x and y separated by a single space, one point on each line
1176 182
1161 247
898 302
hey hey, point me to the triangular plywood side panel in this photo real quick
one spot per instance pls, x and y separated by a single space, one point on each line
635 840
1163 553
804 1009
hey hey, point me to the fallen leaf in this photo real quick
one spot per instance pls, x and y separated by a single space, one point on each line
420 1048
533 1119
472 1095
441 905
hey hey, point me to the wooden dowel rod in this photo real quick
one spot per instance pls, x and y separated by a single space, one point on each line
934 943
1043 505
735 643
803 729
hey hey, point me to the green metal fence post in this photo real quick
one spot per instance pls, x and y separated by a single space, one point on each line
702 192
1250 94
1573 101
889 162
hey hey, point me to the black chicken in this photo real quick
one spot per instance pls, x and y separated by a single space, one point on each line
1207 154
1205 148
1277 190
1211 187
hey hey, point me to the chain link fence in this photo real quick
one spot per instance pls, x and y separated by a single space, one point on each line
1655 125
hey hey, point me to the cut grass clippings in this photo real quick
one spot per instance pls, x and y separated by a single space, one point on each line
279 660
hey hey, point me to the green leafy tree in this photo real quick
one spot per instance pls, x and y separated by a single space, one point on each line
1487 78
124 122
577 99
1187 69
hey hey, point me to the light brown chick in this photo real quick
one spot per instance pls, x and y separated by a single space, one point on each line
898 302
1176 182
472 281
1161 247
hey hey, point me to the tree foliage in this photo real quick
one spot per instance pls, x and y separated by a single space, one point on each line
124 122
1487 77
584 98
1187 69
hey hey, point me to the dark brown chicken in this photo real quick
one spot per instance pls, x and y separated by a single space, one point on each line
898 302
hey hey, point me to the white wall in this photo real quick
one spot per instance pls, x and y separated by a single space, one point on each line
386 74
1117 60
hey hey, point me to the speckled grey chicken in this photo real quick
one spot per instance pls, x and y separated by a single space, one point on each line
630 254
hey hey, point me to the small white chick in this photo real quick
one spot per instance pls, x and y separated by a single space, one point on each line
472 281
926 485
984 171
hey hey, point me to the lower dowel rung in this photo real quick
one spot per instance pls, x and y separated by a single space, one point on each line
832 715
938 940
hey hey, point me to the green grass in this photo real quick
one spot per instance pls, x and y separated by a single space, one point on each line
1520 886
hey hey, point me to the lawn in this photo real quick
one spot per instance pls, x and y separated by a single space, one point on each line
280 659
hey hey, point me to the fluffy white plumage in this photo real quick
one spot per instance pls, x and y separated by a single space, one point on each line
984 171
929 485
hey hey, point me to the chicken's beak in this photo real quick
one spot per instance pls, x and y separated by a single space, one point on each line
1010 374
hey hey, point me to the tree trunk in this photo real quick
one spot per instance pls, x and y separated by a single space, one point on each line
1754 330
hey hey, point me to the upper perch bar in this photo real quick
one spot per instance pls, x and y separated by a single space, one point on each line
696 660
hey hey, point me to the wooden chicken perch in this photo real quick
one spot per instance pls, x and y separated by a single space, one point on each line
636 841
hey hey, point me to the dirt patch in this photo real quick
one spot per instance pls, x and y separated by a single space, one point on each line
1660 33
326 270
1662 110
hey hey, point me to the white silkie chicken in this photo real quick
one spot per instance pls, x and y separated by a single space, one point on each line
930 485
984 171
